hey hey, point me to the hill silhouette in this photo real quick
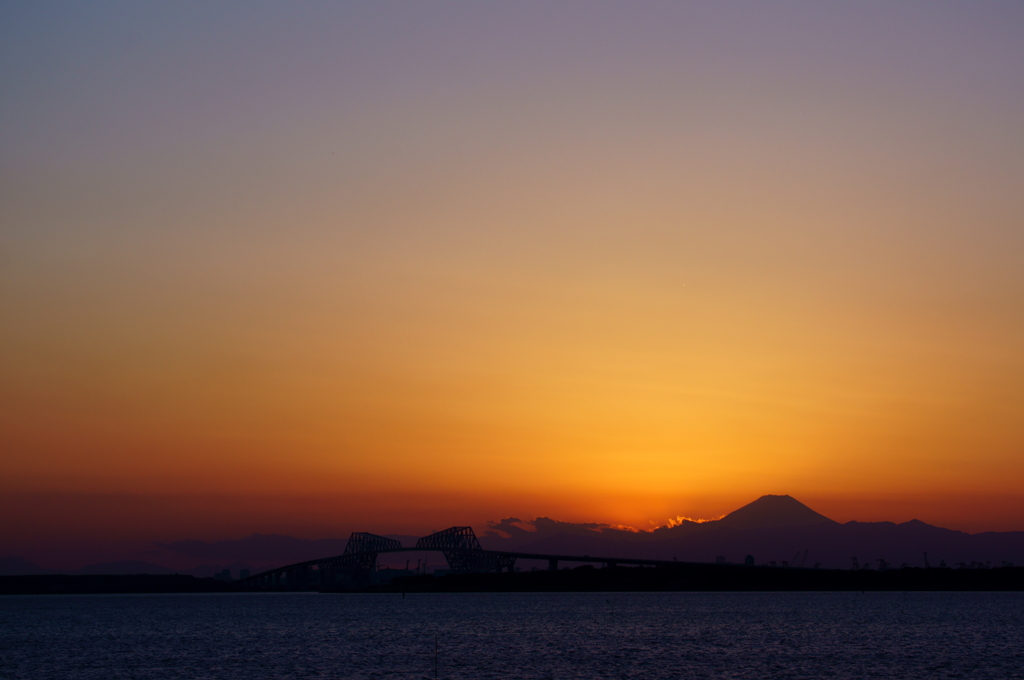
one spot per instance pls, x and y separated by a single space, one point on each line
774 512
259 548
18 565
126 567
771 529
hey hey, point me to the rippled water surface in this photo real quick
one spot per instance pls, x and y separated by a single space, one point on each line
523 635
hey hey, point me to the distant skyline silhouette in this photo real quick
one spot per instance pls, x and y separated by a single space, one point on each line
772 528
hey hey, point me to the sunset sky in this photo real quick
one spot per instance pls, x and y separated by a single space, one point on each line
323 267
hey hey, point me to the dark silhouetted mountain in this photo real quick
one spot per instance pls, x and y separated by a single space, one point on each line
260 548
772 512
129 567
17 566
264 549
772 529
210 570
125 567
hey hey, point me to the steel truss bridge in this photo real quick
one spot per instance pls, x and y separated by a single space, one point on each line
459 545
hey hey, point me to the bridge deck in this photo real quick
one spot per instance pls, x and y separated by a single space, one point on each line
496 553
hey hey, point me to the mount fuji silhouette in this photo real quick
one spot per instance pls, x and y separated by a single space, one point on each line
773 512
772 529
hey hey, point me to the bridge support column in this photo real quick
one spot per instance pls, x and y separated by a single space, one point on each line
297 578
552 565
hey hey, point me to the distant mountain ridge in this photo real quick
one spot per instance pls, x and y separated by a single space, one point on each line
773 528
259 547
126 567
772 512
17 566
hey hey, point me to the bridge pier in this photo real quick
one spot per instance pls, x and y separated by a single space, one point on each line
552 565
298 578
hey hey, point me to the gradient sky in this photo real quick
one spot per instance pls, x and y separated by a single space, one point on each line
327 267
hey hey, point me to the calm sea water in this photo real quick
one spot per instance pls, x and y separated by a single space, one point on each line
531 635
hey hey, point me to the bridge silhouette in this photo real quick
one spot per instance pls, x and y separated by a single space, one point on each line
459 545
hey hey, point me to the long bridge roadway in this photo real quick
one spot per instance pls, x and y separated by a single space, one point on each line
459 545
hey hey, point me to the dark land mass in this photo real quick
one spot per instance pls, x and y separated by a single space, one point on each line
259 548
772 529
265 549
123 568
682 577
67 584
17 565
712 577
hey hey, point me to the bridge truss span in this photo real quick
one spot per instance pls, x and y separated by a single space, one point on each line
355 567
360 555
463 551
